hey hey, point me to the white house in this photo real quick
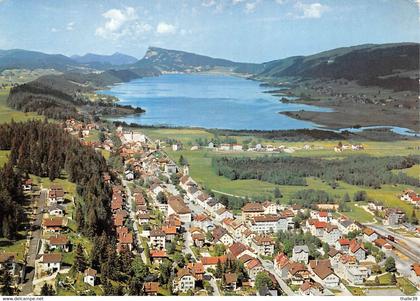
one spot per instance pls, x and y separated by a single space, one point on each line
223 214
220 235
51 262
129 175
331 234
177 206
171 168
356 275
157 239
237 147
357 250
369 234
325 275
269 223
56 210
300 254
269 207
263 245
213 205
90 276
347 226
184 281
281 265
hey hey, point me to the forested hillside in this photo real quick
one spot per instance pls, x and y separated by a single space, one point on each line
64 96
45 150
11 199
371 65
355 170
25 59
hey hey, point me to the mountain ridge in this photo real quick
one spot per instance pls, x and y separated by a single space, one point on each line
115 59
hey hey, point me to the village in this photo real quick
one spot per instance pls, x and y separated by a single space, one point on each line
267 249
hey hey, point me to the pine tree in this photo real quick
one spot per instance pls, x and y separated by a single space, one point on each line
219 269
47 290
6 281
346 197
393 279
80 261
277 193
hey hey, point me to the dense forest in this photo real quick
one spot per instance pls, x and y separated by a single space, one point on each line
45 150
366 64
11 199
59 97
286 170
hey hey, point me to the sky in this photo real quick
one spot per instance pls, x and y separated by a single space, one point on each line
240 30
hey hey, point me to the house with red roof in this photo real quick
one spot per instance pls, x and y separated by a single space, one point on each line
151 288
250 210
253 267
357 249
343 245
382 244
184 281
415 274
323 273
239 249
311 288
158 256
53 224
263 245
59 242
211 262
369 234
298 273
281 265
318 228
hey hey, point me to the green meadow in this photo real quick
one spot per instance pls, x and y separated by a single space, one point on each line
8 114
202 171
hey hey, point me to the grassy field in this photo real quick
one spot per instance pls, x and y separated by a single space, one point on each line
69 187
406 286
93 136
7 114
202 171
412 172
4 157
318 148
17 246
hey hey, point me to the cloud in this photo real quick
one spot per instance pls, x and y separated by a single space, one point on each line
70 26
120 23
165 28
251 6
52 29
208 3
310 11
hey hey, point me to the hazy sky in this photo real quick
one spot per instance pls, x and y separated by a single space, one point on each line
241 30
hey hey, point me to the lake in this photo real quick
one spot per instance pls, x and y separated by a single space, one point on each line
208 101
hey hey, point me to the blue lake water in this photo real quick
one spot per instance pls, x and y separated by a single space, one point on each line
212 101
208 101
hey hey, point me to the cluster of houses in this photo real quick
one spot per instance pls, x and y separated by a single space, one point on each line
343 147
54 238
119 205
234 147
411 197
76 127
